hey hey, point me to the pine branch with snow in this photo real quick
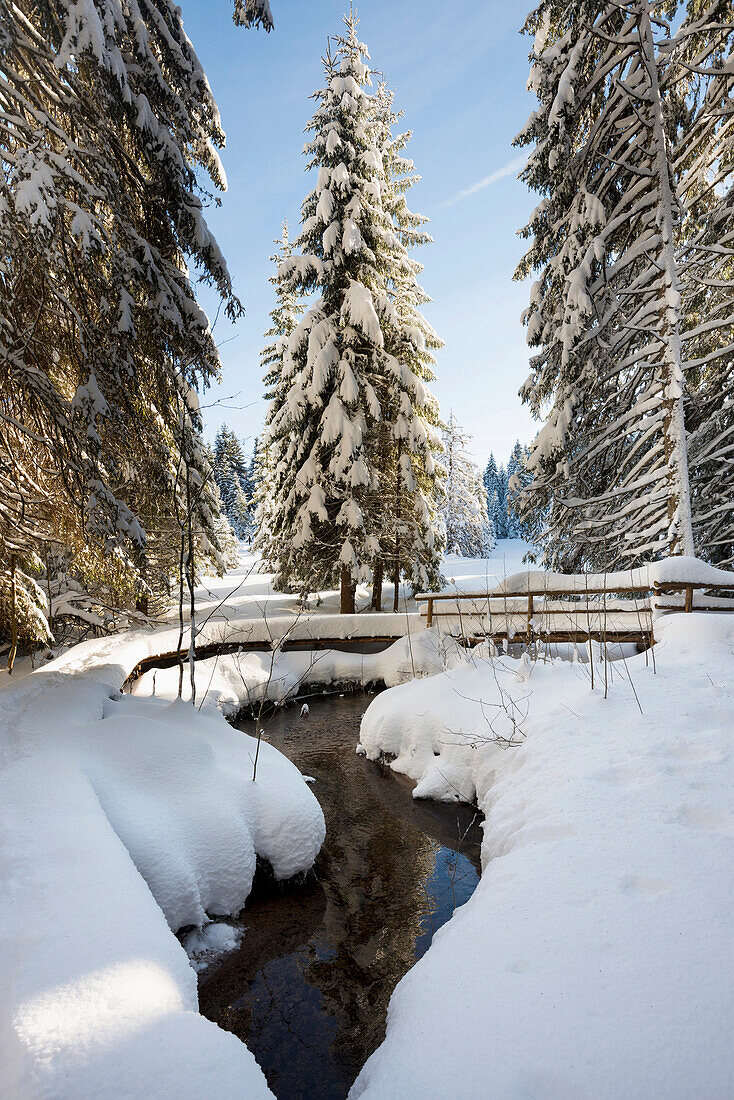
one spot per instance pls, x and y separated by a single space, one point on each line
102 341
610 466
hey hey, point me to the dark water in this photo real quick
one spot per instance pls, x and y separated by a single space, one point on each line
308 989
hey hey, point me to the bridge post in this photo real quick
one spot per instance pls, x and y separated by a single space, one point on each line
429 613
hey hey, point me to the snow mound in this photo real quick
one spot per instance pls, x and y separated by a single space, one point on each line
122 818
203 945
590 960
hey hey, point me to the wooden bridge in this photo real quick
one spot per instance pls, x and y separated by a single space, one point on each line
587 608
368 632
526 608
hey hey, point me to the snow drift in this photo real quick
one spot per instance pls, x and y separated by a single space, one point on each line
593 958
123 818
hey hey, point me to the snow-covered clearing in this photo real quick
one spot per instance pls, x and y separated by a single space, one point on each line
594 958
247 594
123 818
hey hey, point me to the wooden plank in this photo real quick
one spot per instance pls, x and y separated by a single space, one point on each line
554 593
541 613
699 586
577 636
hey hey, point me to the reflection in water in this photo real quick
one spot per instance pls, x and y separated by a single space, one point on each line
309 987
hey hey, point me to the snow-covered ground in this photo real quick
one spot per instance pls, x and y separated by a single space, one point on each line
121 820
482 574
595 958
592 960
247 593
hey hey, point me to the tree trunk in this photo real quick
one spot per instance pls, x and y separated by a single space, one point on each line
676 448
377 577
13 617
48 590
398 504
181 582
191 579
347 593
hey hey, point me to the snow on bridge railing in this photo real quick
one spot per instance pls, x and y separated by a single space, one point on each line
574 600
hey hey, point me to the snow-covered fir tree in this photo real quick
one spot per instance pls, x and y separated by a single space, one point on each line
284 318
610 465
101 337
464 506
357 411
518 481
409 533
232 473
495 482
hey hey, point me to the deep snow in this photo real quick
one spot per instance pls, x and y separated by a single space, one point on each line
122 819
594 958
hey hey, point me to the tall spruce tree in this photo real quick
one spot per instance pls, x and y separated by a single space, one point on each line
407 516
495 482
610 465
231 472
518 481
355 392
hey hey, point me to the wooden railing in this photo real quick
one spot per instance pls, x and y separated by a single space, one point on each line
588 612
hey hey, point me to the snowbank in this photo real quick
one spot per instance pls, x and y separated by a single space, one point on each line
673 570
593 959
237 680
123 818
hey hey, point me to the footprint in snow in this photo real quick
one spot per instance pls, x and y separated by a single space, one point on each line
635 885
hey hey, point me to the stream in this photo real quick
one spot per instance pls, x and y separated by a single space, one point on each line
309 986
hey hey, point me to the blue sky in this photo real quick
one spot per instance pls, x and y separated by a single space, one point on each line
459 71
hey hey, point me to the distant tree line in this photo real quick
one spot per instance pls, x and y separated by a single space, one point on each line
503 486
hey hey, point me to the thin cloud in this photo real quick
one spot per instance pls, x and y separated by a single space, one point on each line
499 174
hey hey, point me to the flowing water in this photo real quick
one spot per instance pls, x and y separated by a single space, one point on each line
308 988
